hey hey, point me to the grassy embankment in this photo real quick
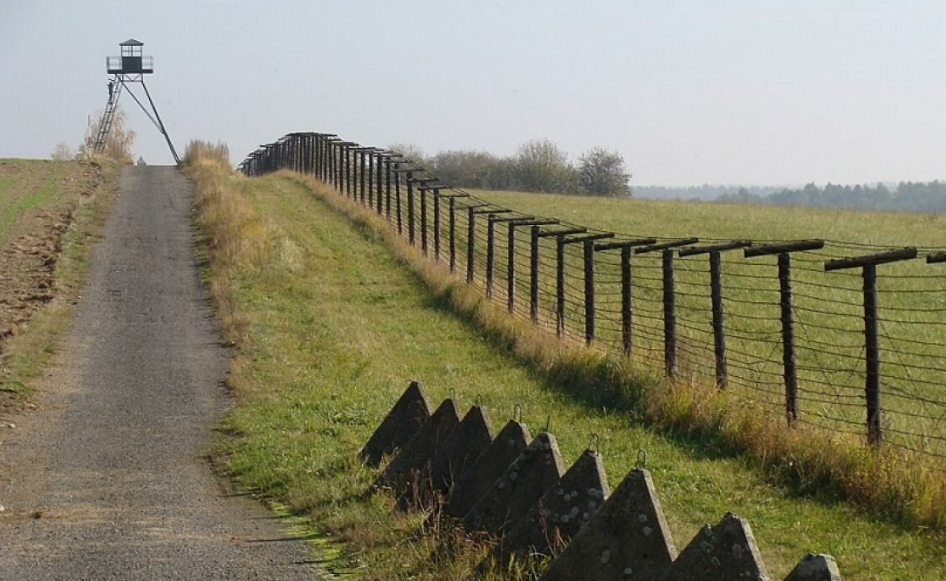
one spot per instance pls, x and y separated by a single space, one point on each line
329 326
50 214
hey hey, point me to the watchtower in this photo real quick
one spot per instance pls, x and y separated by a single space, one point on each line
127 69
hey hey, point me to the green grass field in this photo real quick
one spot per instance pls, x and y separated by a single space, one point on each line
329 328
828 311
28 187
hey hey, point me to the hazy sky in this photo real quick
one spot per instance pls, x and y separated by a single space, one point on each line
690 92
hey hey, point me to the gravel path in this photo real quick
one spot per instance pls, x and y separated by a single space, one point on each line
108 479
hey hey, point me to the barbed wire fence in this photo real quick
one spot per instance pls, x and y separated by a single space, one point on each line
844 336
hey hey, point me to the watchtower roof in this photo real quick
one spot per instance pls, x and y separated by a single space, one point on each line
132 42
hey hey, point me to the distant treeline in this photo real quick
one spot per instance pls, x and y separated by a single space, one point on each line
537 166
705 192
906 197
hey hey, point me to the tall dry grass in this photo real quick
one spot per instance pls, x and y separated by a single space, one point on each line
232 231
896 485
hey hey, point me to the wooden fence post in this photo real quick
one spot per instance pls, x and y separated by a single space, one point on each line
370 179
589 255
377 181
627 313
669 299
511 274
493 217
452 229
471 239
563 240
534 273
346 170
560 273
868 265
437 224
423 189
716 299
362 152
410 207
560 285
387 187
787 316
490 248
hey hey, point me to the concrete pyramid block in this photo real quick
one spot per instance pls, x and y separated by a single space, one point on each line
815 568
399 426
628 538
461 449
476 481
548 527
724 552
537 469
414 459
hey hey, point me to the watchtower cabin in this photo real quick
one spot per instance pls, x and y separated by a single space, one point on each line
131 61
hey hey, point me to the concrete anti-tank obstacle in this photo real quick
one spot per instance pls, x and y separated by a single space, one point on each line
720 553
537 469
815 568
414 459
399 426
560 514
476 481
628 538
461 449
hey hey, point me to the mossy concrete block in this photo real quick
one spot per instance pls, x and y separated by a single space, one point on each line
724 552
537 469
461 449
475 482
413 462
560 514
628 538
399 426
815 568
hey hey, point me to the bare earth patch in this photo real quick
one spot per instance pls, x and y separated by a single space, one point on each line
38 205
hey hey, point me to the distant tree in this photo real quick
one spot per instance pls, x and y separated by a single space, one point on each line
602 173
542 167
62 152
504 175
119 143
411 151
472 169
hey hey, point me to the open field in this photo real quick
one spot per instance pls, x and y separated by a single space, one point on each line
49 213
329 327
828 305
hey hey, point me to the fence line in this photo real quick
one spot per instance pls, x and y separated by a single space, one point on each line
844 336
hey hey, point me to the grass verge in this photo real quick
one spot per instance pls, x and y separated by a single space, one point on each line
86 200
329 327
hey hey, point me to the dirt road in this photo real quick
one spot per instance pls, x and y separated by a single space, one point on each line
107 480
